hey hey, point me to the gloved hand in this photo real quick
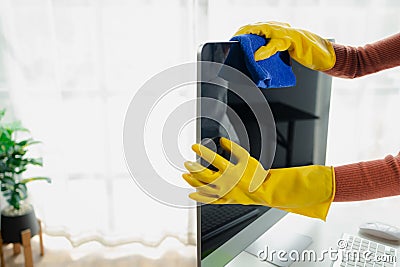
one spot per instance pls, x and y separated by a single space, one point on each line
305 47
305 190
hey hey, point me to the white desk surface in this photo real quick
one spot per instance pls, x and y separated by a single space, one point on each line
342 218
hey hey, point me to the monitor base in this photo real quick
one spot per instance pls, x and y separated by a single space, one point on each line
280 249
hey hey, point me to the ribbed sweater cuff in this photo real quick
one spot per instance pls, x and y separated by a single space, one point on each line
345 64
352 62
368 180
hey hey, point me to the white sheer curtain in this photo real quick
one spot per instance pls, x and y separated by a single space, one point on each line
70 68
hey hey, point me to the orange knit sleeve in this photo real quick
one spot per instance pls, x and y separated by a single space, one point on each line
353 62
377 178
368 180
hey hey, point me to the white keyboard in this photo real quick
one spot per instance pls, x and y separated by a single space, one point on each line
355 251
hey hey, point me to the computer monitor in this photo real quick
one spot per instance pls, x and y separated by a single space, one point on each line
300 114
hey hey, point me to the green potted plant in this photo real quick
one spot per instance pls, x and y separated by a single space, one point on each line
17 215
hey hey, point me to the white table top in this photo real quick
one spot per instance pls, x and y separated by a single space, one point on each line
342 218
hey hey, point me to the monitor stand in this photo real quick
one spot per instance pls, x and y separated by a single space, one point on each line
280 249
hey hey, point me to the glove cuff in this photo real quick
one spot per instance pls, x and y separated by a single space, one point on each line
318 210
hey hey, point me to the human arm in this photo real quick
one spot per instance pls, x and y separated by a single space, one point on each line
307 190
318 53
352 62
368 180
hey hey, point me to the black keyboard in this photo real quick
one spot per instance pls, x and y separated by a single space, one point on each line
218 218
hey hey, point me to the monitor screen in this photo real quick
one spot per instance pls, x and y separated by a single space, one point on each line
300 115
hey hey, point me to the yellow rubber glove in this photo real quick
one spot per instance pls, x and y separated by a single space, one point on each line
305 47
305 190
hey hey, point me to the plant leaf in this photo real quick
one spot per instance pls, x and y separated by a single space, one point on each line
8 181
15 126
20 171
27 142
27 180
21 190
2 113
37 161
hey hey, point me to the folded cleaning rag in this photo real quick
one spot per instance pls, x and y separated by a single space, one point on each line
273 72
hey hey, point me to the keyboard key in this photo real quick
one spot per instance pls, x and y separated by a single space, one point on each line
361 245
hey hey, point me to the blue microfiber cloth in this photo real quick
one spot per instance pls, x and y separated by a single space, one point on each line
273 72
